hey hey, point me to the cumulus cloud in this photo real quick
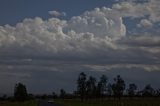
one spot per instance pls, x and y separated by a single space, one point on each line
130 9
145 23
56 13
101 22
97 36
81 34
138 8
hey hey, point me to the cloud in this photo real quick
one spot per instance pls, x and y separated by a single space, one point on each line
94 41
153 8
49 75
82 34
145 40
101 22
9 74
130 9
95 35
57 14
145 23
145 67
148 9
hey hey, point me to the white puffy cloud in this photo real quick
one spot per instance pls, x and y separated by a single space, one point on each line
100 22
145 23
81 34
56 13
98 36
154 10
130 9
134 9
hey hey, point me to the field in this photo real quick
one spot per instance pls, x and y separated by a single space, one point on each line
28 103
123 102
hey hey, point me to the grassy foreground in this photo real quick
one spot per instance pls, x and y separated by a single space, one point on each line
124 102
27 103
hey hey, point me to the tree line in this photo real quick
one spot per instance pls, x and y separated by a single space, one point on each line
90 88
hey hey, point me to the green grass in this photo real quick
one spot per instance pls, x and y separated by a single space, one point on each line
27 103
123 102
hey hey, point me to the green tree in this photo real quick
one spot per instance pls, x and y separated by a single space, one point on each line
81 85
118 86
20 92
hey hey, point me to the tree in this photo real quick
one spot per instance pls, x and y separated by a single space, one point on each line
91 87
81 85
131 90
118 87
54 95
102 86
109 89
158 92
3 97
62 93
20 92
148 91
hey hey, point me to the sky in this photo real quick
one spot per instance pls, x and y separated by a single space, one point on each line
45 44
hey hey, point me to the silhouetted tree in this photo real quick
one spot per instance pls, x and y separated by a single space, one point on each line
44 96
31 97
139 93
158 92
118 86
109 89
54 95
132 90
62 93
81 85
102 86
20 92
75 93
3 97
148 91
91 87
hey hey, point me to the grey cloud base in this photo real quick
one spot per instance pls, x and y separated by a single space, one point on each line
46 80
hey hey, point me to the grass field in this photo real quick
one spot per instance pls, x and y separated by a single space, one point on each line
27 103
123 102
